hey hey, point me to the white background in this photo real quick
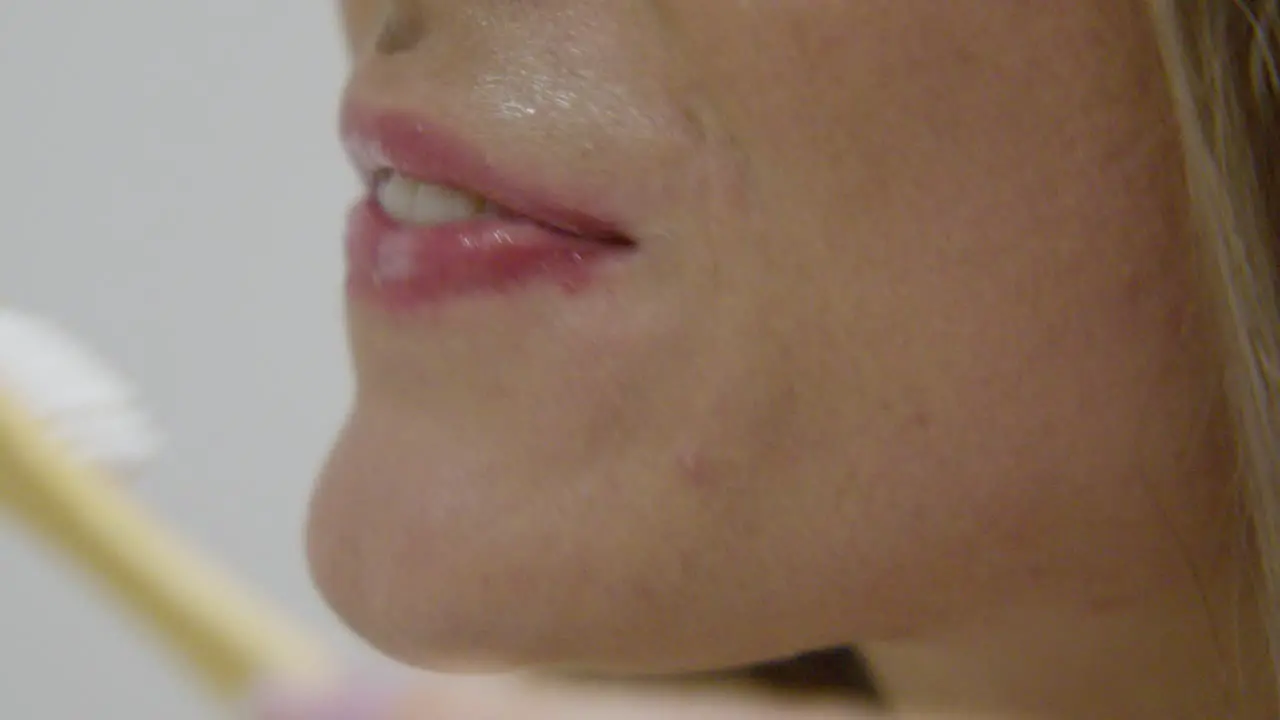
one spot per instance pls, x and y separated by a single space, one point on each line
172 190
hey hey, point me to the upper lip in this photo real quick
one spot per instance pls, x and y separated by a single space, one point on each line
377 140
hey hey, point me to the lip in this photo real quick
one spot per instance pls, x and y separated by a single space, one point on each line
540 234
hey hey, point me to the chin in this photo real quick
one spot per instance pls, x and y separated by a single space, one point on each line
382 562
450 565
455 540
461 571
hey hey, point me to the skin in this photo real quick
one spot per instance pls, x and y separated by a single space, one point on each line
909 356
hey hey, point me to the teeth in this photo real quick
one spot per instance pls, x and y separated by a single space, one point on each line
414 203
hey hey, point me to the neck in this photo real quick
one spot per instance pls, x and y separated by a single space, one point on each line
1200 658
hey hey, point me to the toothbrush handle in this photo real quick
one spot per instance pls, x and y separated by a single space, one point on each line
230 639
354 698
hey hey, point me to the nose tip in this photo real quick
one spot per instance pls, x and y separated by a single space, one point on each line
403 28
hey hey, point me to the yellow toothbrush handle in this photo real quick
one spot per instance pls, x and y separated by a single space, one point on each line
229 638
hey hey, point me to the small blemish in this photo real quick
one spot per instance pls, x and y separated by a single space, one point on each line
696 469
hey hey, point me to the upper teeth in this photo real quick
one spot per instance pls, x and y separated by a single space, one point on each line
412 202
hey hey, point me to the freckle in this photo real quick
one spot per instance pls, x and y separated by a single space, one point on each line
920 420
695 469
1135 288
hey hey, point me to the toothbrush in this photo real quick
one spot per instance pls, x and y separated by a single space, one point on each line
68 430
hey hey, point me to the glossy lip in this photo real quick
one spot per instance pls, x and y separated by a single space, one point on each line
416 147
400 266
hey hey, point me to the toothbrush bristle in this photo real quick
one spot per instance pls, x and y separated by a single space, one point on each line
79 397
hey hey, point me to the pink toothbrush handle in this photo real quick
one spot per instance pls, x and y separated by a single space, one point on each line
358 698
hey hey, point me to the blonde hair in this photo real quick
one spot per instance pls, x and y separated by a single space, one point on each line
1222 62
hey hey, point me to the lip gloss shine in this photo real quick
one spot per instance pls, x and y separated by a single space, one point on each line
402 265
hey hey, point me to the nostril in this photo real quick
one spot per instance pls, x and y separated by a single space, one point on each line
403 28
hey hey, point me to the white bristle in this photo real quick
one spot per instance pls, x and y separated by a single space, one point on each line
77 396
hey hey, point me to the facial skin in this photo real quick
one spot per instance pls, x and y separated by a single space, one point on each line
908 352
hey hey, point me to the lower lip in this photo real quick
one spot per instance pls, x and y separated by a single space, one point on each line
402 267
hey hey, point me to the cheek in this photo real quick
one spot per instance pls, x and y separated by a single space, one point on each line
958 446
977 362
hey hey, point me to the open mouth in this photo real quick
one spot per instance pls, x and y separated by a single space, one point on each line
439 220
419 204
